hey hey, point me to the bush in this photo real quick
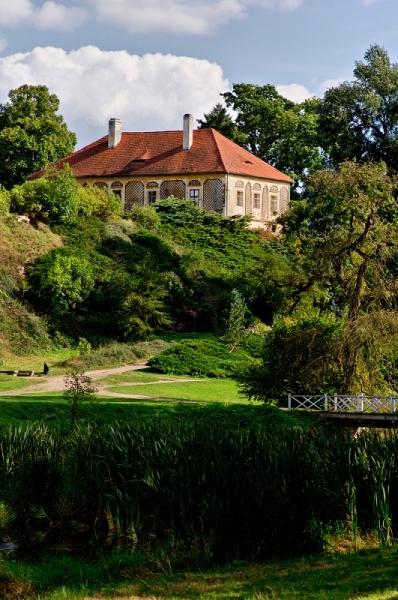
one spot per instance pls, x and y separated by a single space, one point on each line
4 201
54 200
203 358
62 279
297 357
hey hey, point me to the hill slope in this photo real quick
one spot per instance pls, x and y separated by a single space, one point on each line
21 330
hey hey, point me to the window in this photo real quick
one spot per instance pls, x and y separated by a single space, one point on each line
117 193
152 196
194 195
256 200
239 198
274 204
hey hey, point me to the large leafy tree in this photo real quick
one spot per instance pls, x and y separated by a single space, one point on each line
220 119
281 132
359 118
32 133
341 333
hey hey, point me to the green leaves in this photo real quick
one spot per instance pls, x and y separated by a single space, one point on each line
32 134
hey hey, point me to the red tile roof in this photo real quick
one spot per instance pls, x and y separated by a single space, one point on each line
160 153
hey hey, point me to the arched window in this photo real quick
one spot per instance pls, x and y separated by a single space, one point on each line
134 194
101 184
173 187
257 196
117 188
194 183
248 199
152 184
214 195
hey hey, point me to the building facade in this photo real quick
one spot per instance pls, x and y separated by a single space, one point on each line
202 166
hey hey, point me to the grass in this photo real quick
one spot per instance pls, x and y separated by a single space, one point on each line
206 390
53 409
211 390
369 574
8 382
35 362
140 376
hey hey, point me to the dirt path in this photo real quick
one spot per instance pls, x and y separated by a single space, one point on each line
56 383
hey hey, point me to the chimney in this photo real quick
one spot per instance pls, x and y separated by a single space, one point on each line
114 132
188 132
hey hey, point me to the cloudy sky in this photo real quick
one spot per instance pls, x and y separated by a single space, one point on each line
150 61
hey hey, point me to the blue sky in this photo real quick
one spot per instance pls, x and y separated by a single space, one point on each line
149 61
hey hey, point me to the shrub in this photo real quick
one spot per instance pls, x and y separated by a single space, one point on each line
4 201
297 357
145 216
62 279
203 358
54 199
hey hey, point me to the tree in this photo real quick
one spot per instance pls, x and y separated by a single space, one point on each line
219 118
359 119
79 388
345 237
277 130
32 134
236 320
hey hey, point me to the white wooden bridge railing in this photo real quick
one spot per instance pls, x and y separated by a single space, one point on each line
344 404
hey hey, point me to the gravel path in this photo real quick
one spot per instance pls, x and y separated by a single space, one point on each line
56 383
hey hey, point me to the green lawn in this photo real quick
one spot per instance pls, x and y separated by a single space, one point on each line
370 575
8 382
205 390
140 376
54 410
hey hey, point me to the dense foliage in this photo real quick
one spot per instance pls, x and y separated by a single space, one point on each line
171 266
204 358
32 133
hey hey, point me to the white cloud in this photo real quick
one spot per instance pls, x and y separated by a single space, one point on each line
47 15
279 4
58 17
12 12
176 16
189 16
296 92
331 83
147 92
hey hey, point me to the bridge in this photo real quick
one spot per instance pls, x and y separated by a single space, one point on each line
357 411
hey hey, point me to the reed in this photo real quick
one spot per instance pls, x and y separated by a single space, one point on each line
209 490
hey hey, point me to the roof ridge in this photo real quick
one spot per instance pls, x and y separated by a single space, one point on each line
213 131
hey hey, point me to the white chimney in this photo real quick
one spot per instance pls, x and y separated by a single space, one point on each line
114 132
188 132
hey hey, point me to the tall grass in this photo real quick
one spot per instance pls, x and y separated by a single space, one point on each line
209 490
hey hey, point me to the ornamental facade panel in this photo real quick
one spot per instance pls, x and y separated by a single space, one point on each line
265 210
133 195
284 200
173 187
214 195
248 199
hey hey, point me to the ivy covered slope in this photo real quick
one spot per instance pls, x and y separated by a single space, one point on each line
80 269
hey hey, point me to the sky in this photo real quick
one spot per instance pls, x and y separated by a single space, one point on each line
150 61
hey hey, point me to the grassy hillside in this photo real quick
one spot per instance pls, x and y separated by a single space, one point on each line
21 330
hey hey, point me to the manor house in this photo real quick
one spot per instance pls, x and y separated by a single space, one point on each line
201 165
